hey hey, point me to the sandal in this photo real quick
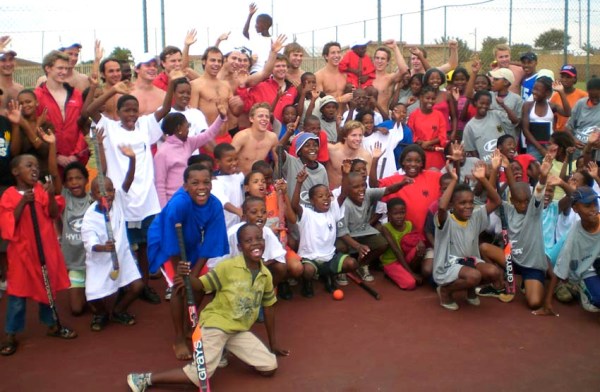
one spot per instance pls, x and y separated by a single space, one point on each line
9 348
61 332
123 318
99 321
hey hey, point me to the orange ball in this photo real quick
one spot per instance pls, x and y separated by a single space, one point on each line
338 295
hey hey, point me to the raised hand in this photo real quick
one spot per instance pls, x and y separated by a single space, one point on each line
346 166
546 165
416 51
14 111
122 87
301 176
293 125
190 37
496 159
592 168
281 185
278 43
252 9
476 66
127 150
452 171
390 43
48 136
93 79
557 86
176 74
452 44
479 170
98 50
457 151
42 118
4 41
99 135
376 150
553 181
224 36
455 93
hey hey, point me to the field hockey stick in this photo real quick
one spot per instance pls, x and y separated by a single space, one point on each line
383 162
508 259
114 274
199 359
364 286
42 257
280 198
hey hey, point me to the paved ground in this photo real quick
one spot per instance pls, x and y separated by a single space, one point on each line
406 342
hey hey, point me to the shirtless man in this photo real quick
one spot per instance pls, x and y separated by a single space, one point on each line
502 56
294 52
349 148
385 80
329 78
110 72
419 63
74 78
254 143
170 59
10 88
207 90
148 95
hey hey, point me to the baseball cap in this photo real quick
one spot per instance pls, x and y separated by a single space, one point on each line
503 73
73 45
7 52
583 194
547 73
145 58
302 138
360 42
569 70
529 56
327 99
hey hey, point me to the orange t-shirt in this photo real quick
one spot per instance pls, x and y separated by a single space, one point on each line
561 121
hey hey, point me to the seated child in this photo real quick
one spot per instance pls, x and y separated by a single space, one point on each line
227 184
313 125
458 264
240 280
98 261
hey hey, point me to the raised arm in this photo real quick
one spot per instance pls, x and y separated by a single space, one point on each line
565 110
161 112
49 137
444 203
401 66
252 10
190 39
15 118
296 212
94 109
417 52
264 73
475 68
453 59
493 198
129 153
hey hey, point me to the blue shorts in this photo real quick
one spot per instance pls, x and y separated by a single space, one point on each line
592 288
140 235
530 273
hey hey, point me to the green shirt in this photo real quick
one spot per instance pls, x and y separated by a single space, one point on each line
238 297
389 257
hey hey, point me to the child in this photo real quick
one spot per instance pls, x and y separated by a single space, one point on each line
460 78
30 122
568 78
358 67
505 101
482 131
529 64
458 264
579 259
328 110
318 233
524 217
586 115
400 136
140 132
309 99
99 286
429 128
227 184
412 102
313 125
538 116
398 266
24 279
171 159
205 236
239 280
561 145
507 145
289 115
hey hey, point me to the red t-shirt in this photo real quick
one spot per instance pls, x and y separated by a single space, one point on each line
418 196
427 127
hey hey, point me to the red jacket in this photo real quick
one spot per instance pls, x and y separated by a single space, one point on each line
69 139
266 91
350 60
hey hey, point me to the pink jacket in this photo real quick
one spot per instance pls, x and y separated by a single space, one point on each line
171 160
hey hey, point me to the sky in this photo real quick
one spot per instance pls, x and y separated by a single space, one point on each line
38 26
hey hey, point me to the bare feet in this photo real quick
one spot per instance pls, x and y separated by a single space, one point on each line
182 351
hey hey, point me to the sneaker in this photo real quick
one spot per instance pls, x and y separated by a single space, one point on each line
99 321
562 293
474 301
489 291
284 291
223 362
138 382
448 306
149 295
168 293
329 283
341 280
586 304
307 288
364 273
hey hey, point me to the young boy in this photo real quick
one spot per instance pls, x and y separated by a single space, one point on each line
579 259
585 115
568 78
529 64
227 184
524 217
205 236
242 285
458 264
505 101
99 285
359 69
313 125
508 147
24 278
328 109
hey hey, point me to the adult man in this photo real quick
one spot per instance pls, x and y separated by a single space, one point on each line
148 95
502 56
254 143
74 78
419 63
208 89
170 59
63 104
126 73
9 87
349 148
385 80
329 78
110 72
294 52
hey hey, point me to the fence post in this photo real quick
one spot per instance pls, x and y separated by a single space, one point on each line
566 34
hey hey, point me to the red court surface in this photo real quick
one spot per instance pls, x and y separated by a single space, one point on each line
405 342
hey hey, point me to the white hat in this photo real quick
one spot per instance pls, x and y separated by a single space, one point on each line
503 73
361 42
145 58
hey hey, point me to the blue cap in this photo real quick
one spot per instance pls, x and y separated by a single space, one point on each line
583 194
302 138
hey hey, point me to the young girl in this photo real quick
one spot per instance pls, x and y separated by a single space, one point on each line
171 159
30 122
444 101
458 264
24 277
477 82
429 128
459 80
412 101
538 116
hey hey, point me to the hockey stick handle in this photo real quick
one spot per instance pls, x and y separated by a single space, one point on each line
364 286
189 293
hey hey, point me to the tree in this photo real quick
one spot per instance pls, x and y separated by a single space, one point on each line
552 39
123 54
464 53
516 50
487 50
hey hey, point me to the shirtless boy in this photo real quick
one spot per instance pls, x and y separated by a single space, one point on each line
74 78
254 143
384 80
148 95
349 148
294 52
9 87
329 78
502 56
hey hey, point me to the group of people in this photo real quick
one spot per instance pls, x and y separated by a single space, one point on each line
278 177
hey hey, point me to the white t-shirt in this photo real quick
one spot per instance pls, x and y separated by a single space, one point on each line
143 197
318 231
228 189
388 143
377 118
261 47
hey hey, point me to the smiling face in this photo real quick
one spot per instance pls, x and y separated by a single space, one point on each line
280 70
369 122
228 164
260 119
198 186
257 185
463 203
183 93
7 64
172 61
73 54
459 80
399 113
252 244
481 83
28 103
309 151
381 60
528 66
147 71
334 56
427 101
213 63
255 212
112 73
353 139
508 148
412 164
321 198
416 64
587 212
296 59
358 187
483 105
434 80
397 216
503 58
57 71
